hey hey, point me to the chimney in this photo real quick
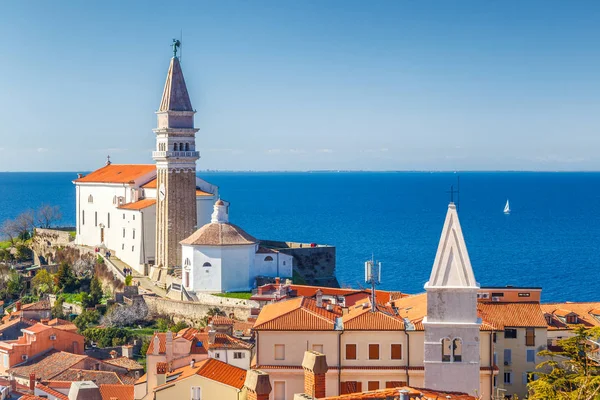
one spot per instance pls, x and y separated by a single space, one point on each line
192 363
404 394
18 306
156 344
161 373
258 385
79 176
32 382
13 385
127 351
277 281
169 345
113 354
315 367
212 334
79 375
319 296
44 321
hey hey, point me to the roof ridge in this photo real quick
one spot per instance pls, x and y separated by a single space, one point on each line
285 313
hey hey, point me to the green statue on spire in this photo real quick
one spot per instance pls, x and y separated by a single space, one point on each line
176 44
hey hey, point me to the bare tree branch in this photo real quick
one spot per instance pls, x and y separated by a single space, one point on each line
47 215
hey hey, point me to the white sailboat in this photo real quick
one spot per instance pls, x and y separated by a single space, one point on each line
507 207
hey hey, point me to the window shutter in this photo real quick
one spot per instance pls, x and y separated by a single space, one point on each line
373 385
396 352
373 352
350 352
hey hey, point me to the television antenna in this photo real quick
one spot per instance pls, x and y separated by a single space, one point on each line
373 276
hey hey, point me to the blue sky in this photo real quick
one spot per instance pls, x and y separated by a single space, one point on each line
299 85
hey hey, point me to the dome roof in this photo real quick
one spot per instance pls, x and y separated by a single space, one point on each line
219 234
220 202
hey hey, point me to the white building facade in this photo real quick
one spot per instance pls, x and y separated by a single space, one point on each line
222 257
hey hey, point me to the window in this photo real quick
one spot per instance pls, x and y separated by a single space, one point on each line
284 263
52 337
187 147
396 352
497 294
350 387
280 352
196 393
108 220
123 232
268 258
507 378
318 348
133 217
350 352
571 319
373 385
510 333
6 361
457 350
187 262
175 147
495 381
134 234
495 358
494 337
123 246
132 248
115 199
279 390
90 199
373 352
529 337
524 294
549 319
82 217
531 356
207 264
507 356
96 218
217 355
446 347
24 357
238 355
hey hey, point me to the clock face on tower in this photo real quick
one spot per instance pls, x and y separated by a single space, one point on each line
161 191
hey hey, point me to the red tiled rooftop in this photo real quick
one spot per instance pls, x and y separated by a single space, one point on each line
118 173
116 392
138 205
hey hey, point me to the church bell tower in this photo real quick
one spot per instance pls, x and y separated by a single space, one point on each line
175 157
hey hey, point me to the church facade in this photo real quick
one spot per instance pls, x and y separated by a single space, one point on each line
140 212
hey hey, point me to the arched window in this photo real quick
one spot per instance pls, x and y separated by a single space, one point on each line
181 147
268 258
446 350
175 147
457 350
90 199
187 262
115 199
187 147
207 264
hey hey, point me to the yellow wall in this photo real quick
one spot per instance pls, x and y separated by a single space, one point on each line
210 390
296 343
362 339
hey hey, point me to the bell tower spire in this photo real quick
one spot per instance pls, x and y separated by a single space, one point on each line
175 157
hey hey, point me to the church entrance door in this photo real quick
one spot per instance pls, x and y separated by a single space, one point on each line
187 279
102 235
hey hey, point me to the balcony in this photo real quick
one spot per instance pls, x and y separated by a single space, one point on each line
176 154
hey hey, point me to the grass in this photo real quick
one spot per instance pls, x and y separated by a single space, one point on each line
235 295
72 234
4 244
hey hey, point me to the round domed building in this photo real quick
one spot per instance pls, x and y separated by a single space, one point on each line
222 257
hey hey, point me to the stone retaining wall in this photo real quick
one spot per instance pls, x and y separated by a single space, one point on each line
194 312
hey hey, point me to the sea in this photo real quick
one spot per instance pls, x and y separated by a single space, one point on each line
551 239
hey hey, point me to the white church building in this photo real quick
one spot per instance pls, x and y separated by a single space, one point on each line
116 210
222 257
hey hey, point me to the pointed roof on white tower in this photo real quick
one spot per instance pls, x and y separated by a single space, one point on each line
452 266
175 95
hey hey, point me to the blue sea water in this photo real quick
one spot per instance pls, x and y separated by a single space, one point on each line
551 238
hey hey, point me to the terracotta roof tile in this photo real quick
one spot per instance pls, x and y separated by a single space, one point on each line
394 394
41 305
519 314
220 320
221 372
223 341
363 319
309 291
51 392
201 193
125 362
219 234
588 314
99 377
299 313
150 185
138 205
118 173
37 328
116 392
177 374
48 366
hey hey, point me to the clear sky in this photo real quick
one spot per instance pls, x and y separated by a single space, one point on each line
299 85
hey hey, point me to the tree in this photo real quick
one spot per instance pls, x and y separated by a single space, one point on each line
118 316
96 291
83 267
42 282
10 229
25 222
57 308
65 279
568 373
23 252
86 318
47 215
14 285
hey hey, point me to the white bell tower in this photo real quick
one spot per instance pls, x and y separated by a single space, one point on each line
452 326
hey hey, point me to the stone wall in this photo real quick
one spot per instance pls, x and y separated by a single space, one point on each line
45 242
315 265
194 312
